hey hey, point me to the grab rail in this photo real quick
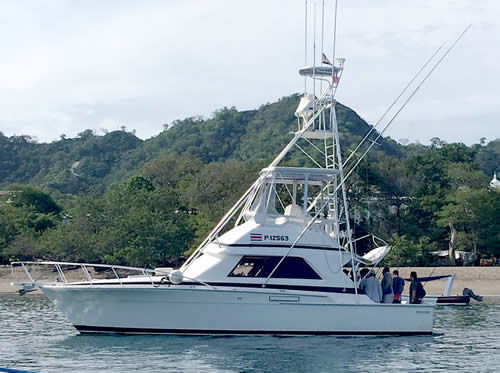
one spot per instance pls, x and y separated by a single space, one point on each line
148 272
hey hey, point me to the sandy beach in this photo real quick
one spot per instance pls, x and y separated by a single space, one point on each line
484 281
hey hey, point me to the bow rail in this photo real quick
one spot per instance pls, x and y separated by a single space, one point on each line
100 270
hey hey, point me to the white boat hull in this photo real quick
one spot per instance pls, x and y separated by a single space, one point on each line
204 310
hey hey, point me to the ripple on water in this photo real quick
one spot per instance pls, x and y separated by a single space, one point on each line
34 335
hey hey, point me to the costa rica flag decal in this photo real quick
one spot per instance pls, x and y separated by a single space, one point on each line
255 237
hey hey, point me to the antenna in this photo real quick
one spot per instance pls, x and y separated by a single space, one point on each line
322 24
334 33
305 47
341 62
314 62
322 38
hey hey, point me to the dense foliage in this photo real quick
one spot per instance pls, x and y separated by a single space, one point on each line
118 199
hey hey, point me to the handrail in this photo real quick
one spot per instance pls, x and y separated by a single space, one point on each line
85 264
146 272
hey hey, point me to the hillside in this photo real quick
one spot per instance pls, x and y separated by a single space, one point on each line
90 162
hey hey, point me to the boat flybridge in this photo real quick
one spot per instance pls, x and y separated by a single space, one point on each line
274 264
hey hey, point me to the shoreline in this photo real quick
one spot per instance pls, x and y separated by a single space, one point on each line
484 281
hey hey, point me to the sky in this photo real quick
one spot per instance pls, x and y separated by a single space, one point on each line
67 66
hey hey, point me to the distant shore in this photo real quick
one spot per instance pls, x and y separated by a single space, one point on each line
484 281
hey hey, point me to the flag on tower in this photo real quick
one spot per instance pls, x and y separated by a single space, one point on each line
335 79
325 60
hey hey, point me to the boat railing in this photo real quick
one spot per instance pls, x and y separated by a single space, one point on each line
62 279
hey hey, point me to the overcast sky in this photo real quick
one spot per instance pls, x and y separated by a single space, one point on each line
70 65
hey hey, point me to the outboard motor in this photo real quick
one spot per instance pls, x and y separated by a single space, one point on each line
469 293
27 288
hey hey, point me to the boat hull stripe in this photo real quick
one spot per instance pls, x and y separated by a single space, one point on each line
321 289
86 329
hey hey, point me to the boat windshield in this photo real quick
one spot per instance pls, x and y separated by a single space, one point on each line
289 191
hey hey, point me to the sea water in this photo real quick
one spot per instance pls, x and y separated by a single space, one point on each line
35 336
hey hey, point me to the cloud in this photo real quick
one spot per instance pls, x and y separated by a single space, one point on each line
69 65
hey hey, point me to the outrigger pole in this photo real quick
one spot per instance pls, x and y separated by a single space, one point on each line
408 100
399 110
394 103
343 179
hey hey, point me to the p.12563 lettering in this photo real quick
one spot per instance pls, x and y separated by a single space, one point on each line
271 237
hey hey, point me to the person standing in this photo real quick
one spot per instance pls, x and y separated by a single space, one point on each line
398 285
370 285
413 288
387 289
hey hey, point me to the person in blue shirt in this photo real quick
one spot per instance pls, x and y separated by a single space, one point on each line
398 285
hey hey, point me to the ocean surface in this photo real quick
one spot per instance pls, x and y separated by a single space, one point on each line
35 336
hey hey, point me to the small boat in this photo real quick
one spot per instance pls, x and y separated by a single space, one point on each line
453 300
446 299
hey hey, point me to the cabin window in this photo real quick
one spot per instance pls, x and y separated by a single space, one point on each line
262 266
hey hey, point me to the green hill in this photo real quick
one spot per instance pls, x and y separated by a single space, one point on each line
89 162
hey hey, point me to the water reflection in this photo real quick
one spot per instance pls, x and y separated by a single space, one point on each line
474 316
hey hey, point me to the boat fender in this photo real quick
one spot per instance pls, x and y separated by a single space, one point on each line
176 277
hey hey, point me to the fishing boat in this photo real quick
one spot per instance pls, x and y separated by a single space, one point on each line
274 264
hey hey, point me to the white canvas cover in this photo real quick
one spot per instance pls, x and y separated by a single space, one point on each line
376 255
318 71
306 106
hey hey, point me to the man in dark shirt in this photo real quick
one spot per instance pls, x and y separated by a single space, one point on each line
413 288
398 285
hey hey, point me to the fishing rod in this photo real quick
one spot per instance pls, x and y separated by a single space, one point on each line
408 100
394 102
353 152
399 110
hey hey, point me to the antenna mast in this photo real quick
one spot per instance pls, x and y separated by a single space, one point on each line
305 47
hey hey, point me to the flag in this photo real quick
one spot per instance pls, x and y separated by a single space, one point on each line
325 60
335 79
255 237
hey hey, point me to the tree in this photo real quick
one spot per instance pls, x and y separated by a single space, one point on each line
33 197
218 186
132 223
436 142
405 252
170 170
476 214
